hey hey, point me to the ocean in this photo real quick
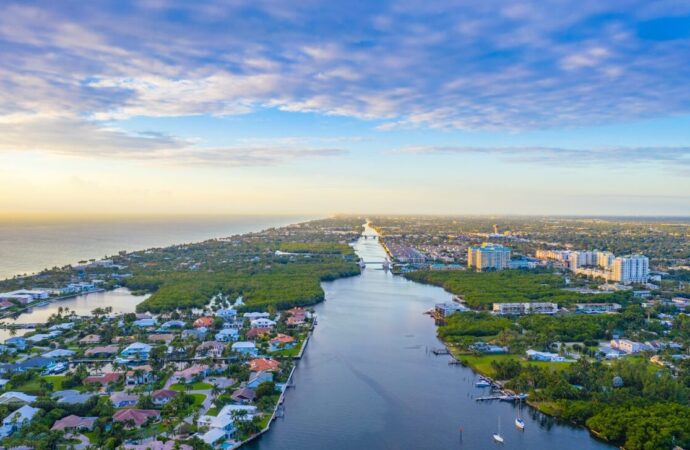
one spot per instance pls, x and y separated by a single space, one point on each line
28 246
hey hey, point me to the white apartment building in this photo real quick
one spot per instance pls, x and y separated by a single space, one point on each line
630 269
488 256
519 309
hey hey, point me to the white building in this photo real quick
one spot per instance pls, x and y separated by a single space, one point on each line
630 269
544 356
518 309
597 308
627 346
488 256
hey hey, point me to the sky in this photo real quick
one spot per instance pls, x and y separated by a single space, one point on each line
322 107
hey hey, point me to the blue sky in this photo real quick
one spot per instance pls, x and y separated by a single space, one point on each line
322 107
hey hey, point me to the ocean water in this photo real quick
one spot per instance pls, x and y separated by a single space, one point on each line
27 246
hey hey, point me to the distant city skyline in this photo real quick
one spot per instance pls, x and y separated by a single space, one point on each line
316 108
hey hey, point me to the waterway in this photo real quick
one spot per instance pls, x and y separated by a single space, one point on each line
121 300
368 381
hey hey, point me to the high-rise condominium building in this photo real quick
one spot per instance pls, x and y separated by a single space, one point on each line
605 259
630 269
488 256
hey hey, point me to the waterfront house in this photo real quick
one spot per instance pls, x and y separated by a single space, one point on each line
256 378
162 396
254 333
483 347
165 338
19 418
136 351
72 397
205 322
227 335
263 365
140 375
17 342
16 398
517 309
90 339
172 324
37 362
59 353
100 352
544 356
281 342
196 333
191 373
75 423
243 395
245 348
256 315
294 321
144 323
123 399
103 380
214 437
213 349
446 309
262 323
226 314
136 417
158 445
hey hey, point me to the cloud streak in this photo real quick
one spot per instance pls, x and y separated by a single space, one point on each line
669 157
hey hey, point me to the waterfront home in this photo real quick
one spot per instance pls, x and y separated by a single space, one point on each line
597 308
226 314
544 356
101 352
16 398
9 350
165 338
263 365
245 348
140 375
205 322
243 395
4 304
213 349
262 323
136 417
162 396
103 380
246 412
214 437
257 332
19 418
158 445
123 399
191 373
295 321
483 347
23 294
256 378
136 351
256 315
197 333
227 335
40 337
58 353
144 323
75 423
446 309
17 342
37 362
281 342
72 397
172 324
90 339
517 309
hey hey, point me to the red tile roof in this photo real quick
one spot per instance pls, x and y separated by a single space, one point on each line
263 365
103 379
203 322
138 416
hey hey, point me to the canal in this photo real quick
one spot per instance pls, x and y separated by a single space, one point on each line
367 380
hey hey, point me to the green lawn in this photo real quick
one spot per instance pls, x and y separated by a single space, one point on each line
56 381
482 363
212 411
198 399
198 386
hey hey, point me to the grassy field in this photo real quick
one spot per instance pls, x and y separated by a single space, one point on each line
198 386
482 363
198 399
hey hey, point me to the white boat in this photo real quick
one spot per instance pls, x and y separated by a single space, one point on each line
519 423
497 436
482 382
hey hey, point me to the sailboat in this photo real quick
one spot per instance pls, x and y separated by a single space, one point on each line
497 436
519 422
